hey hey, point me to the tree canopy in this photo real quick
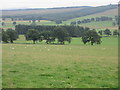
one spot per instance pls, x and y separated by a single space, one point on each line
5 37
107 32
92 37
32 34
61 34
12 34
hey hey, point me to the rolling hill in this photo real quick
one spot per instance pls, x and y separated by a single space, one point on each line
56 14
97 25
63 15
38 11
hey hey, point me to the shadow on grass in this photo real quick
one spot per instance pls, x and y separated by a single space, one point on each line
37 43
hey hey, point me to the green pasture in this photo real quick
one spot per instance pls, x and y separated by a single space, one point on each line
75 65
102 24
95 25
85 17
10 23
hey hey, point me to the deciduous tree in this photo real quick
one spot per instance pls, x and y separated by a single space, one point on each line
92 37
107 32
61 34
32 34
12 34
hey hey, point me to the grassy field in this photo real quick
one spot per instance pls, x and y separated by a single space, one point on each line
8 24
109 13
72 65
97 25
94 25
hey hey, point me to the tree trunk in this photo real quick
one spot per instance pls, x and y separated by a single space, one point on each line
91 43
11 41
33 41
6 41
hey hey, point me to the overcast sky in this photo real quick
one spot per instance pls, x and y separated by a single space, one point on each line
8 4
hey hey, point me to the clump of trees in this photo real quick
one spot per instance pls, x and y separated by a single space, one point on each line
116 33
59 33
48 36
32 35
107 32
14 23
100 32
9 35
92 37
74 31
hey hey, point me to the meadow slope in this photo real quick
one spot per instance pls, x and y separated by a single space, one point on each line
72 65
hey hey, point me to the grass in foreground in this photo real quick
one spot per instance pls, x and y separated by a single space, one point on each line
61 66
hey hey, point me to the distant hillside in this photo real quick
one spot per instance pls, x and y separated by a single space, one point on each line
57 14
107 13
31 11
97 25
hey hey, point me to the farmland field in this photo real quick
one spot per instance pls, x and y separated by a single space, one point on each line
69 65
40 11
74 65
8 24
94 25
97 25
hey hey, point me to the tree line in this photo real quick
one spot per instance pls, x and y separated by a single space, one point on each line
14 23
51 34
74 31
108 32
97 19
58 33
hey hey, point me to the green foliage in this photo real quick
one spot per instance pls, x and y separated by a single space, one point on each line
92 37
5 37
32 34
12 34
48 36
14 23
61 34
90 20
68 39
115 32
100 32
107 32
74 31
